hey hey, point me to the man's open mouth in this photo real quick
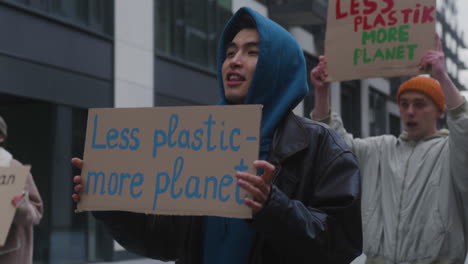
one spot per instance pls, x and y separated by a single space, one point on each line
235 77
411 124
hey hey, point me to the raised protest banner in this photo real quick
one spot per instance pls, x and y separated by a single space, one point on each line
378 38
12 181
169 160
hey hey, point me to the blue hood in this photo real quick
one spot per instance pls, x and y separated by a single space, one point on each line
279 82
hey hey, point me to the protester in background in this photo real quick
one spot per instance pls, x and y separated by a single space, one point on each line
306 203
18 247
414 187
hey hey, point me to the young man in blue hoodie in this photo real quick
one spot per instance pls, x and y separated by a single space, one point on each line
306 200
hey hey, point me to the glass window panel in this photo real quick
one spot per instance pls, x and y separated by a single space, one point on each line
96 15
223 13
189 29
108 17
178 40
395 125
82 12
351 107
196 37
66 8
377 113
212 34
163 30
24 2
42 5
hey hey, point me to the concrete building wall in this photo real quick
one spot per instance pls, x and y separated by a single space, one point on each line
134 53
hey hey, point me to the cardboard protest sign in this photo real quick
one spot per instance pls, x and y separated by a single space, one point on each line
378 38
12 181
170 160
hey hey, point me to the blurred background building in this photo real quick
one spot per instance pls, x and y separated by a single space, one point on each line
60 57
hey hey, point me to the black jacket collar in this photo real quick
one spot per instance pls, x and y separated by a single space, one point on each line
290 137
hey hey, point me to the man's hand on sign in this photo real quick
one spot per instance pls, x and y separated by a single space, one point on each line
17 200
77 180
258 186
433 61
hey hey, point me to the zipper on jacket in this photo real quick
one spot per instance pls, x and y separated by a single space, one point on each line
400 203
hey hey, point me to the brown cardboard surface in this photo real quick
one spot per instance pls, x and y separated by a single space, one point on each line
12 181
166 160
404 30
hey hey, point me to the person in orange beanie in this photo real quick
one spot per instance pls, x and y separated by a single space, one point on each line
414 187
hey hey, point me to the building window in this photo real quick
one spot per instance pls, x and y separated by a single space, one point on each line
395 83
189 29
377 113
439 29
395 125
94 15
351 107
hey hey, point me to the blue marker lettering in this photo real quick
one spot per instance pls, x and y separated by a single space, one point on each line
124 136
196 189
197 135
112 134
226 180
136 141
231 139
208 124
113 190
158 143
136 182
238 199
94 145
221 141
215 186
158 190
177 170
96 176
184 139
173 123
241 166
122 181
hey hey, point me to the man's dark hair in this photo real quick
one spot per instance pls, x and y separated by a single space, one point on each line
244 21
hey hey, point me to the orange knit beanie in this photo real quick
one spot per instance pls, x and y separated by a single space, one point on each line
427 86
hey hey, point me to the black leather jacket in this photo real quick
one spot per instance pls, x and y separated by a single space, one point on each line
312 216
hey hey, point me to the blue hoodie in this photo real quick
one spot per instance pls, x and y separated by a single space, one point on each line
279 84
